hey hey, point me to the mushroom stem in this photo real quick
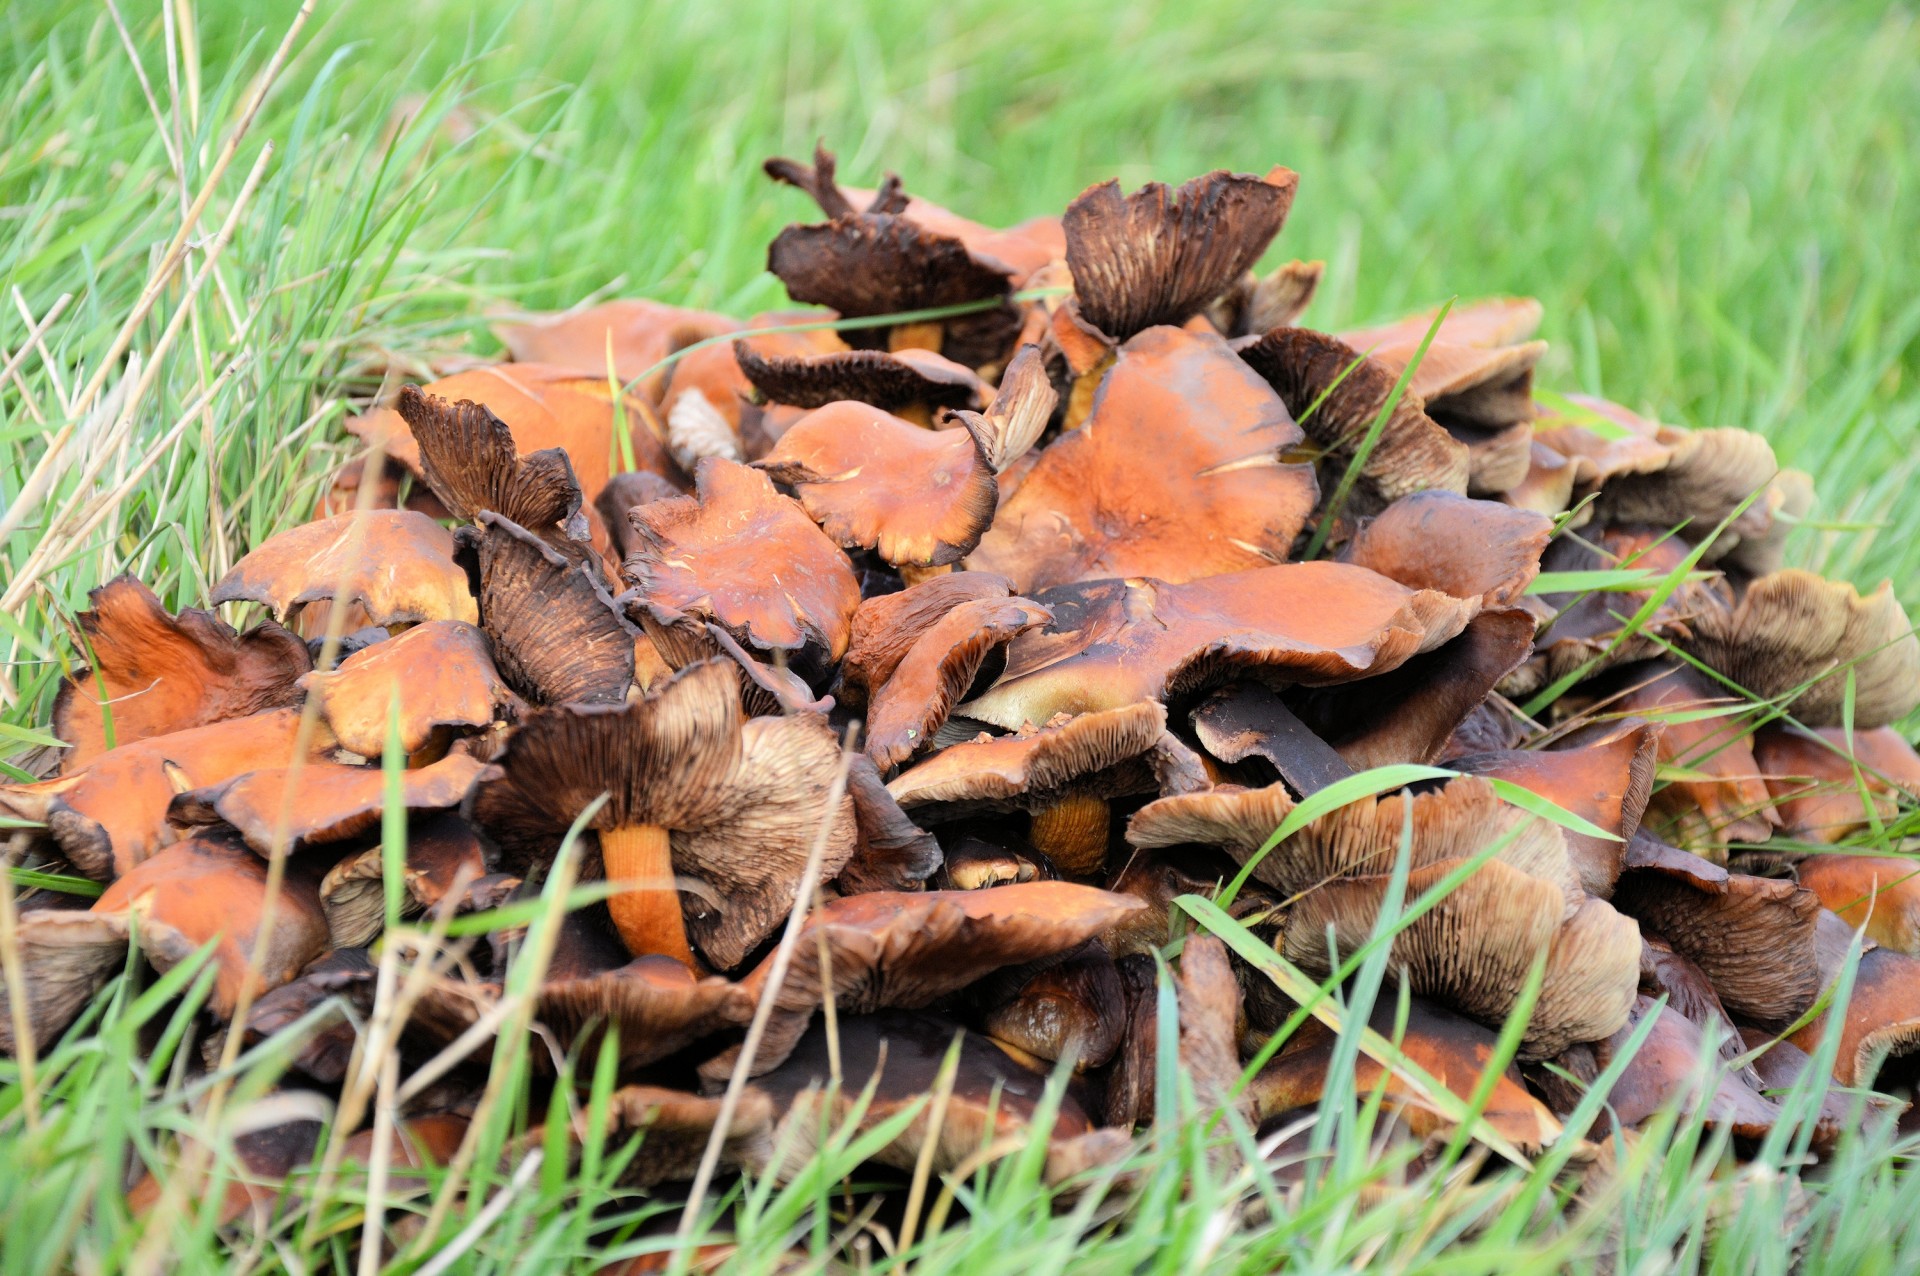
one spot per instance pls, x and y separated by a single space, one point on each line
1080 395
913 573
646 911
916 336
1072 832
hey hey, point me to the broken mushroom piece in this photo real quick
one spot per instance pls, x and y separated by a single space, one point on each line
938 671
328 803
435 678
1472 950
1822 781
1794 630
557 635
1064 773
743 555
396 566
468 458
908 383
148 673
1180 472
693 789
920 498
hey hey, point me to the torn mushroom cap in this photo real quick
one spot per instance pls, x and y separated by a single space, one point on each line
1882 1020
442 853
1602 440
329 802
1361 838
1793 628
1821 782
395 564
1336 393
938 670
885 627
1062 772
1606 781
1453 1050
112 814
557 636
1438 540
738 801
1117 642
1073 1008
637 333
468 458
431 677
1019 413
899 1055
149 673
1177 474
1474 948
910 382
1717 795
741 554
890 949
1754 937
919 497
1878 892
1160 255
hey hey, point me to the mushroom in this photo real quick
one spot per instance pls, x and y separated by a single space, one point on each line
635 334
1064 773
894 853
344 977
1602 441
1472 950
1707 475
468 458
1117 642
1781 1064
396 566
908 383
149 673
709 407
1260 303
920 498
1877 892
891 950
1156 879
557 635
673 1128
1179 473
693 789
741 554
1470 549
1208 997
1361 838
1018 415
1548 485
885 627
329 802
1336 393
437 678
938 671
1821 781
1249 719
1073 1008
1794 630
262 1159
622 493
111 814
443 854
1882 1021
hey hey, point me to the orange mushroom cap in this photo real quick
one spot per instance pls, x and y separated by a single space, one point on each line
638 333
396 565
440 674
330 802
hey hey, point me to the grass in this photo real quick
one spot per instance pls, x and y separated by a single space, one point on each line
1716 203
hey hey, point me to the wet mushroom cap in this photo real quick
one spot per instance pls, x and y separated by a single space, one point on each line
885 627
937 672
162 673
439 675
1075 1008
395 564
329 802
658 1007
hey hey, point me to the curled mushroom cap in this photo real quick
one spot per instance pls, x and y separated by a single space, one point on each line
1470 549
149 673
329 802
1019 413
1453 1050
1116 642
1260 303
1472 951
874 481
891 949
656 1004
639 333
440 675
1477 372
693 790
1178 473
891 381
556 634
1160 255
1601 440
1335 393
1793 628
112 814
397 565
468 458
1882 1021
885 627
937 672
1708 473
740 553
1816 788
1249 719
1878 892
1361 838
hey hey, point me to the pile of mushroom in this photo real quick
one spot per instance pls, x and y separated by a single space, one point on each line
983 637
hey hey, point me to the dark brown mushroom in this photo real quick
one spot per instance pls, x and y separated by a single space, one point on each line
938 671
396 566
1249 719
443 854
673 1129
894 853
434 678
885 627
468 458
557 635
909 383
1073 1008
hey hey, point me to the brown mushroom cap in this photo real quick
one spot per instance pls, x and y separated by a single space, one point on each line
395 564
1115 642
1478 371
740 553
1794 627
1177 474
674 1128
1882 1019
1159 255
1606 782
656 1004
891 949
937 672
1453 1050
331 803
1548 485
639 333
468 458
1208 996
557 636
742 799
65 958
1707 474
708 383
1361 838
622 493
1781 1064
1260 303
1248 719
886 380
1815 785
1026 769
885 627
894 853
1307 368
874 481
112 814
155 673
1074 1008
1719 797
439 674
1467 548
1878 892
1753 936
1472 951
1603 441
